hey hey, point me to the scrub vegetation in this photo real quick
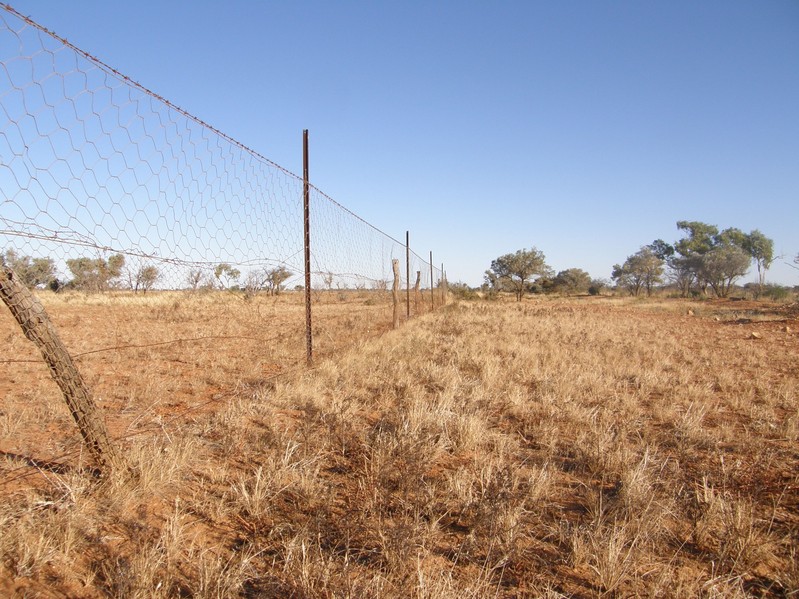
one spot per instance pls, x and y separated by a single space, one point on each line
551 447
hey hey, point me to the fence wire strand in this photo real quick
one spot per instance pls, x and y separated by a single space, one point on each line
169 255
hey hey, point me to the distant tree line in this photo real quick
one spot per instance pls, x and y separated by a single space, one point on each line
88 274
103 274
526 271
703 259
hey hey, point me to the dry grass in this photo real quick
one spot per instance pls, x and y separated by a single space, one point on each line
553 448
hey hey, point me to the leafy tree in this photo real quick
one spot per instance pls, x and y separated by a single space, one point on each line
270 280
707 257
275 277
491 282
96 274
33 272
731 237
722 265
227 275
514 271
144 278
661 249
686 261
642 270
700 238
597 285
572 280
761 249
683 272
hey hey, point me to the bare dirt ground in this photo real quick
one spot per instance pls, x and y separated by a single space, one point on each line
579 447
167 356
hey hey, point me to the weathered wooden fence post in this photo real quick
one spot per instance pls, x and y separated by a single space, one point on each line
432 287
407 274
416 292
36 324
395 291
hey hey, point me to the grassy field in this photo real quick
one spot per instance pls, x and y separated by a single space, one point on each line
591 447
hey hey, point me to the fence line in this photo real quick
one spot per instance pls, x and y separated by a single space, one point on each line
140 226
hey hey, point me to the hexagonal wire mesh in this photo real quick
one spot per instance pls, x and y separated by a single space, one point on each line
154 239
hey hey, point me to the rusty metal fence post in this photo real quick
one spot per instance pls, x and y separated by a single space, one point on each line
395 292
306 201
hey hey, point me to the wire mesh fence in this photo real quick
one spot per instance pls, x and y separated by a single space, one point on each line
169 255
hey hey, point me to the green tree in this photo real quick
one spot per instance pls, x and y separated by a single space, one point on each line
227 275
95 274
145 278
731 237
572 280
707 257
33 272
514 272
661 249
686 263
699 240
275 277
642 270
722 265
597 285
761 249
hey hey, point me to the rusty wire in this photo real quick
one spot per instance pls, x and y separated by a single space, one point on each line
108 181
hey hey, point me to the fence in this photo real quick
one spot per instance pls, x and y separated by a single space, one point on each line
170 256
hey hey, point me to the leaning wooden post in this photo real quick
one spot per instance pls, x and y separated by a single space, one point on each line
395 291
37 326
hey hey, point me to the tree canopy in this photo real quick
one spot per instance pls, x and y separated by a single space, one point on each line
144 278
642 270
226 275
33 272
513 272
706 257
96 274
572 280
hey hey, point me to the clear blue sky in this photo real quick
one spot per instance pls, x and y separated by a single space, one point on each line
584 128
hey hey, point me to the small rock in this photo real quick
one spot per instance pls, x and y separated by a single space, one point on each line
755 335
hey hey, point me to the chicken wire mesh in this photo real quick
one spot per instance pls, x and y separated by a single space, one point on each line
119 189
154 239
